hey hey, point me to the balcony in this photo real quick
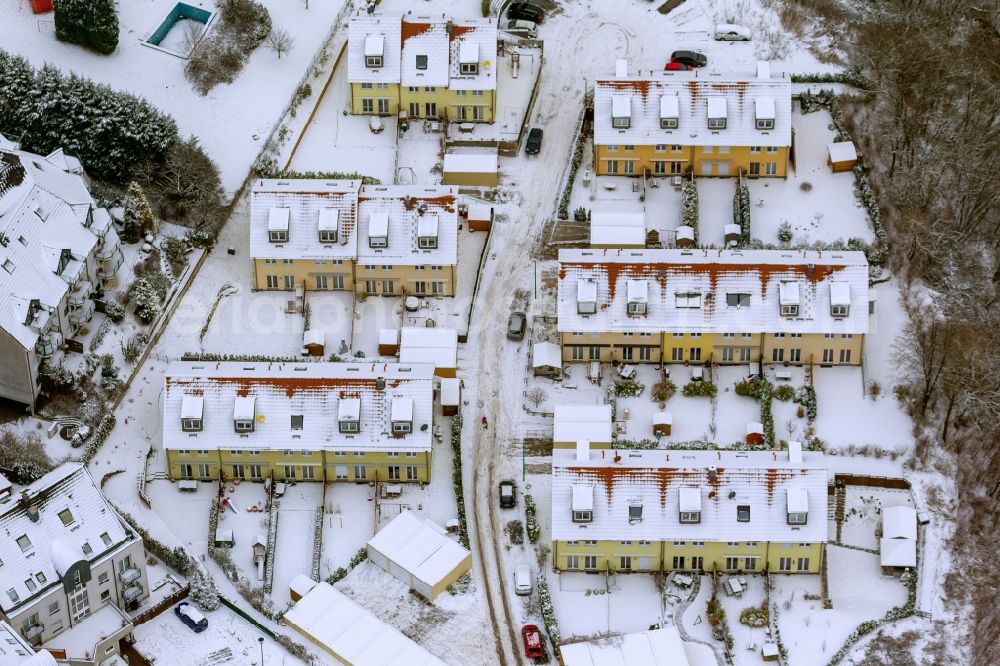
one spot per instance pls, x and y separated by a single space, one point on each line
48 344
80 293
72 271
132 592
129 576
33 633
82 314
109 268
109 247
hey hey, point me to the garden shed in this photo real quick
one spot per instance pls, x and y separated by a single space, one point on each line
313 342
898 545
420 554
617 230
300 586
480 217
662 423
430 345
546 359
755 434
578 423
842 156
684 237
471 168
732 233
388 341
451 395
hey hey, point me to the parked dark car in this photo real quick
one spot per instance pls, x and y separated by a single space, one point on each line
191 616
516 325
534 144
508 496
525 11
692 58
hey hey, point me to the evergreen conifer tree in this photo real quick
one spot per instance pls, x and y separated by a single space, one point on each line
204 593
90 23
148 305
138 219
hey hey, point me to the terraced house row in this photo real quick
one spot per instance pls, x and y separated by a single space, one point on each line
309 422
671 123
430 67
381 240
713 306
649 511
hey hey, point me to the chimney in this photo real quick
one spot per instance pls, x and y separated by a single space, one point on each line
29 508
712 473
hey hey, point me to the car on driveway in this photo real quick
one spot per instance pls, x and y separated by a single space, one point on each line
522 580
525 11
729 32
516 325
191 616
677 67
690 58
508 495
520 28
532 638
533 145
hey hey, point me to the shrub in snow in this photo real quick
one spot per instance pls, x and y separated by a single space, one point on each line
132 348
784 393
456 478
663 390
243 25
297 650
755 616
785 232
637 444
147 301
531 519
702 389
806 396
266 167
101 434
203 592
22 456
741 211
628 388
90 23
115 311
138 217
108 367
102 330
515 532
689 206
548 614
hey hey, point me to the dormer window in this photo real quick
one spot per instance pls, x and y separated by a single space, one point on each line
349 415
586 296
421 62
840 299
582 503
401 415
743 513
621 111
427 232
244 414
192 408
378 230
638 297
328 225
690 506
471 68
690 517
277 224
687 299
797 506
738 300
669 112
764 113
788 299
374 51
717 113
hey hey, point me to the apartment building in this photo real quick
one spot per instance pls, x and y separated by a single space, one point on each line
669 123
648 511
713 306
70 565
308 422
57 251
386 240
423 67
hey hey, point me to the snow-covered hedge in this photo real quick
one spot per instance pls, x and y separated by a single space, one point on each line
577 158
637 444
852 76
456 478
806 396
530 519
267 167
689 206
741 211
176 558
101 433
102 330
628 388
906 609
548 614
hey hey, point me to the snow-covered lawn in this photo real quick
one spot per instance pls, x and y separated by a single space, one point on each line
419 156
347 524
186 514
294 544
863 513
233 121
846 415
591 604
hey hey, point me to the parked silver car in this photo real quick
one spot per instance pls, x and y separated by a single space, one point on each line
521 28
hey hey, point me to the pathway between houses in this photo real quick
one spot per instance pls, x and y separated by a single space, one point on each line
679 621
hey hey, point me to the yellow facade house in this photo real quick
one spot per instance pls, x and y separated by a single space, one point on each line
303 233
306 422
697 306
472 81
373 64
670 123
407 241
699 511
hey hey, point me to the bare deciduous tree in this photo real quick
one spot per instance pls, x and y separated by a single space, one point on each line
280 41
537 396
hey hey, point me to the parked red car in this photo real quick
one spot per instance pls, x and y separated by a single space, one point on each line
677 67
532 641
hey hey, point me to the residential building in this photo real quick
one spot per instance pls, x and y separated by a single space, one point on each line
656 510
407 241
671 123
306 422
70 564
15 651
719 306
423 67
57 250
384 240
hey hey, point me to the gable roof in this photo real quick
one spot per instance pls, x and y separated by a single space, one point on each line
401 211
424 36
654 479
303 206
473 41
657 647
577 423
708 276
418 547
698 96
365 30
614 228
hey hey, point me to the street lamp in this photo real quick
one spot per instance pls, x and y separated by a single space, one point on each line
260 640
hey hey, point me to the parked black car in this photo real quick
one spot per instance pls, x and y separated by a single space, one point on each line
690 58
191 616
508 497
525 11
534 144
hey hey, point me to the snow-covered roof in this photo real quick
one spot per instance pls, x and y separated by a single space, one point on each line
438 346
689 499
657 647
480 161
788 292
451 391
842 151
388 336
546 355
303 207
342 627
897 553
244 408
402 409
319 392
583 496
574 423
724 481
14 650
419 547
43 211
364 35
395 212
617 229
192 407
52 544
474 42
713 275
798 500
426 37
699 96
764 107
899 522
670 106
840 293
301 584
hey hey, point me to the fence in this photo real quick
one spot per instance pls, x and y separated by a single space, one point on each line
875 481
246 616
165 603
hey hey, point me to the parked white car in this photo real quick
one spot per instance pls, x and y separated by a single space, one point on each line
522 579
728 32
521 28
